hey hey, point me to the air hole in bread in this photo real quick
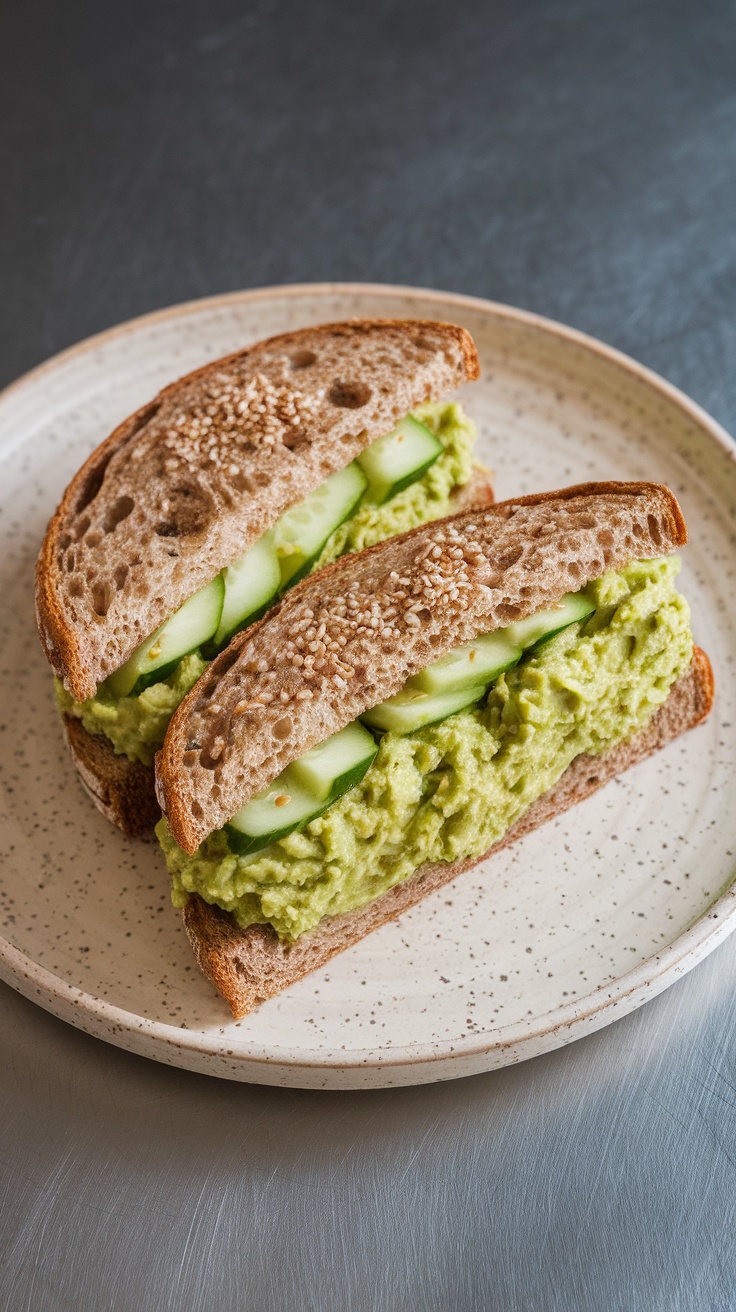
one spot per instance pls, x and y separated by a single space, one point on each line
655 530
64 542
424 615
71 561
92 483
241 482
294 439
81 527
510 557
302 359
605 537
120 575
573 568
349 396
423 343
118 511
100 599
92 540
196 810
189 511
283 727
76 587
508 611
638 530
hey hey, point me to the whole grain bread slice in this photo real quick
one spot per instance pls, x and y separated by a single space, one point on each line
188 483
247 966
124 790
350 636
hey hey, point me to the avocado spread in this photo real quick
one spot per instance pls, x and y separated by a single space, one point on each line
136 725
453 789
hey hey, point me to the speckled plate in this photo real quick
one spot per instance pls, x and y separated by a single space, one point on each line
573 927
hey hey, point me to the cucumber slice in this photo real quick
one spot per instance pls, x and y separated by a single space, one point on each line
251 583
188 628
546 623
479 661
303 790
272 814
392 462
300 534
411 709
334 766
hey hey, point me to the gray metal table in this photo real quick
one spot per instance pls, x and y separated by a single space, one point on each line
573 158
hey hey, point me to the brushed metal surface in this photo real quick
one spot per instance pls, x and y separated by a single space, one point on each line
573 158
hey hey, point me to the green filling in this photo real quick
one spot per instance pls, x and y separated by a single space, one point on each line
453 789
136 725
427 499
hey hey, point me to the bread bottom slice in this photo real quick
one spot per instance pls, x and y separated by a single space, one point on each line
124 790
247 966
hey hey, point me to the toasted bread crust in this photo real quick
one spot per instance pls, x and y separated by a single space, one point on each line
124 790
189 482
247 966
350 637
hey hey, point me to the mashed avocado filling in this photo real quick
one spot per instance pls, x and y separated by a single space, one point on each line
136 725
453 789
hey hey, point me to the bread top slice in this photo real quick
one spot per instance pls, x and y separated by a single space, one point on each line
350 636
187 484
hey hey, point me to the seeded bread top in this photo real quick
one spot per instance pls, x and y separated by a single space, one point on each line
190 482
350 636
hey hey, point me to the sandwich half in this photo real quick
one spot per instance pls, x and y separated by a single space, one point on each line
413 708
201 509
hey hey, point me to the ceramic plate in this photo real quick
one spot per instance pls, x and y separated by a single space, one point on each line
573 927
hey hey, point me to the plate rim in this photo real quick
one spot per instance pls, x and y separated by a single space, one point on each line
410 1064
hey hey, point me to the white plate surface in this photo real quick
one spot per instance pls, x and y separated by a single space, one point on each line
573 927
